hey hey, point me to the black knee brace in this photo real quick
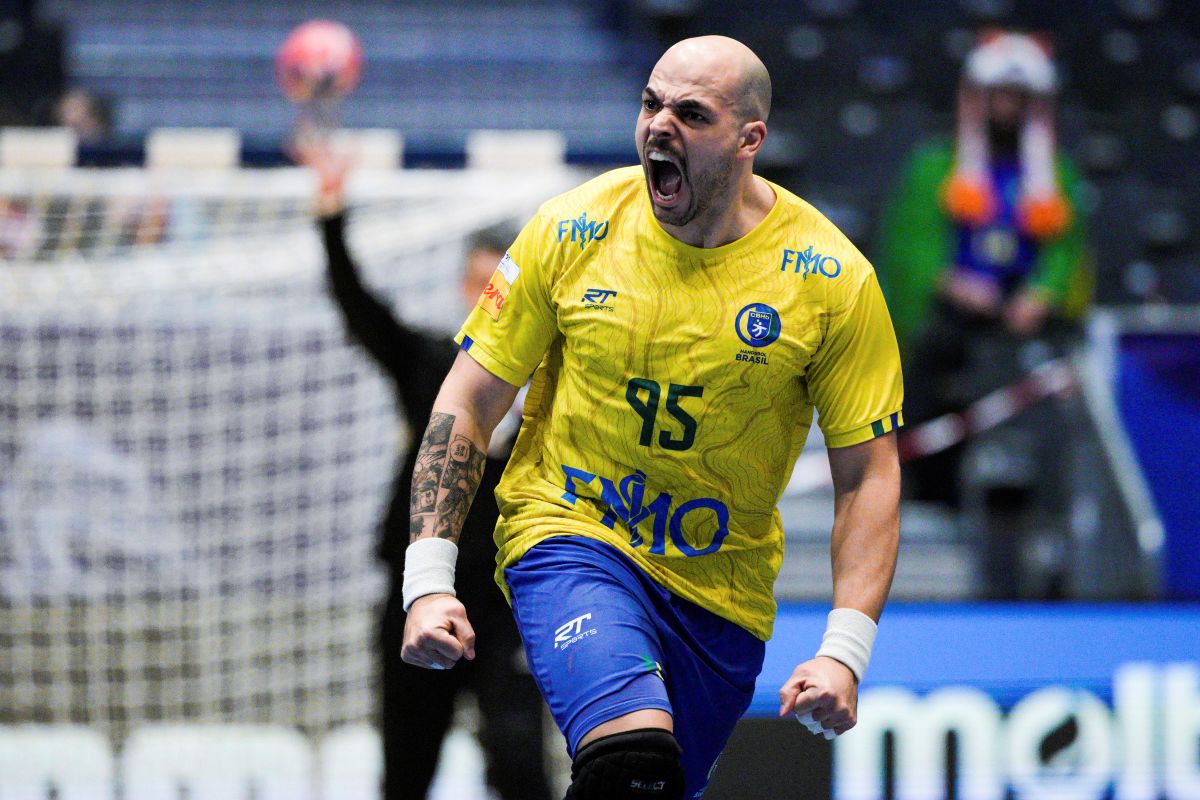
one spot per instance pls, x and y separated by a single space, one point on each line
635 765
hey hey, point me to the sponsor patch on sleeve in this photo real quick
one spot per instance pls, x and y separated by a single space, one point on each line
494 294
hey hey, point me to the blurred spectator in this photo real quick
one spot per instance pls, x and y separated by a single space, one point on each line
88 114
20 229
982 252
418 704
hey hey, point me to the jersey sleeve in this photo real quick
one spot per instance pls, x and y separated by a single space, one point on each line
855 380
513 323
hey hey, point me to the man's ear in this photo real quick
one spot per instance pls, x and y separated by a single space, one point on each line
751 137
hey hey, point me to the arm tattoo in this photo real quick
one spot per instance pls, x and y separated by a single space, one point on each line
427 473
461 478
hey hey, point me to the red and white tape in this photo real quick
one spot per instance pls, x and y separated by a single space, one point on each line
1051 379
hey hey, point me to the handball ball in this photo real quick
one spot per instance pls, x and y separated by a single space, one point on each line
319 60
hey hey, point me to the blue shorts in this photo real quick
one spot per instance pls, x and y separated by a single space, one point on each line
603 639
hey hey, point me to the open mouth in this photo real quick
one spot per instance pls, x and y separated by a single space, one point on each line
666 178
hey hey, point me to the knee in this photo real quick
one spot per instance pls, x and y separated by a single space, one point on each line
641 764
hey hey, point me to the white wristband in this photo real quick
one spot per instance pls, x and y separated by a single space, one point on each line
429 568
849 637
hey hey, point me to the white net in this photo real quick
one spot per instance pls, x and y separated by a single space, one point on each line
193 457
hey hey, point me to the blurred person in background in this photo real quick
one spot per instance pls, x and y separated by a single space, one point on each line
417 704
21 230
982 251
88 114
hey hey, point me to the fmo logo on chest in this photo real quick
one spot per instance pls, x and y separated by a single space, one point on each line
582 230
1057 743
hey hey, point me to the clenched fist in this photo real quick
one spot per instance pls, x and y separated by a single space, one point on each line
826 688
437 633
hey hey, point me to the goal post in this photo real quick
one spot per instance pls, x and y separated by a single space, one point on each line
194 457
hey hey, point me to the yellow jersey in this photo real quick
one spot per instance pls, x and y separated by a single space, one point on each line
673 386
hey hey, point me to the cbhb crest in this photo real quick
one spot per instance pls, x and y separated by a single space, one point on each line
758 325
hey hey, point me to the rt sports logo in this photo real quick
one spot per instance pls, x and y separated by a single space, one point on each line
570 633
598 298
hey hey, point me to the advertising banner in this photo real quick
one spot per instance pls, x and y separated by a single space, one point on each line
1158 393
1043 701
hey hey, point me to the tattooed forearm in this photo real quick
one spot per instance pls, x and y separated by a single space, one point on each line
460 479
447 469
427 473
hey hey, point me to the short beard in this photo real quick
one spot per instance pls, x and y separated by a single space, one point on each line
705 194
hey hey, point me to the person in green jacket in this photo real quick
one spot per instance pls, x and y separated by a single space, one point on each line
981 249
990 222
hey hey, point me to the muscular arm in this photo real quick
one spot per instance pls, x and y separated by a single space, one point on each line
450 460
866 523
448 470
863 547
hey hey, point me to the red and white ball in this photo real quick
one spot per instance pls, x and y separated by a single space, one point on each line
319 60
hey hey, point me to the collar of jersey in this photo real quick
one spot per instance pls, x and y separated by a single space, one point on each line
759 232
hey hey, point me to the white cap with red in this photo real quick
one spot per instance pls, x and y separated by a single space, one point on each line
1012 59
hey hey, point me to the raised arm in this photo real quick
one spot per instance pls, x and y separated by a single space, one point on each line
863 549
401 351
449 467
414 361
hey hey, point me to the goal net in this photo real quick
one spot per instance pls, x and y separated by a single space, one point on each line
193 456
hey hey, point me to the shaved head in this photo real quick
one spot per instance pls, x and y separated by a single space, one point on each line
702 122
744 80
